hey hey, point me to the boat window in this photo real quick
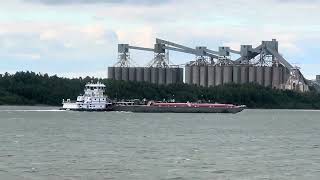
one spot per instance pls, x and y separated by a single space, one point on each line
91 88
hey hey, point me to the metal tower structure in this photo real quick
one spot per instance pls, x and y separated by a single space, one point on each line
160 58
123 56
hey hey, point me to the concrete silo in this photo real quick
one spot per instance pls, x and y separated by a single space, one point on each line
204 76
188 74
227 74
211 75
236 74
195 75
218 75
276 77
111 73
267 76
170 75
132 74
260 74
175 75
244 74
162 76
118 73
125 74
252 74
154 75
139 74
180 75
147 74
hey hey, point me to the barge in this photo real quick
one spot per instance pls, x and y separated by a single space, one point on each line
179 108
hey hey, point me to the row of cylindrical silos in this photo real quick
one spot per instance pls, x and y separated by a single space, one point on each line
275 76
147 74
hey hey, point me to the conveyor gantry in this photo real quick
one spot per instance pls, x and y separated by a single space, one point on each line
222 56
202 54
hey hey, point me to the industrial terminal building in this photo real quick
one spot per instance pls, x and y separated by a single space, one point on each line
262 65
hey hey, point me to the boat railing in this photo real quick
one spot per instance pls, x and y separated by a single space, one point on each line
125 103
68 101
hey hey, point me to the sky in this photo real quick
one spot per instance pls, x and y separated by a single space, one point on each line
74 38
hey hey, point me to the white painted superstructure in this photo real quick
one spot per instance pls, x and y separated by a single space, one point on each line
92 100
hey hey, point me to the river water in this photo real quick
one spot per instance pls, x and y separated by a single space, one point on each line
43 143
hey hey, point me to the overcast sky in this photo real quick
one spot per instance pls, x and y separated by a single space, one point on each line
79 37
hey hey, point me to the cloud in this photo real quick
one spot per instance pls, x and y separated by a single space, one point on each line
60 31
143 36
298 1
48 35
310 70
27 56
56 41
66 2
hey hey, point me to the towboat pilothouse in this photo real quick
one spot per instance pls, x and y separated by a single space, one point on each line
92 100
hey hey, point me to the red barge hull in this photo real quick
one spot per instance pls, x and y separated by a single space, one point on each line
180 108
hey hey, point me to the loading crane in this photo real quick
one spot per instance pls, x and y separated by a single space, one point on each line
268 51
124 59
160 58
265 50
204 56
200 51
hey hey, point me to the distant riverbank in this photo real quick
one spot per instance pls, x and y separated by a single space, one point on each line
28 88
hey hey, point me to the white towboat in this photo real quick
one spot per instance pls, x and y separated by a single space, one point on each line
92 100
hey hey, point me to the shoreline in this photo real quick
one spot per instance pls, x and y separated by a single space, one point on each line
44 106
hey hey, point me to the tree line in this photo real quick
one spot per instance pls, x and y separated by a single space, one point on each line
29 88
